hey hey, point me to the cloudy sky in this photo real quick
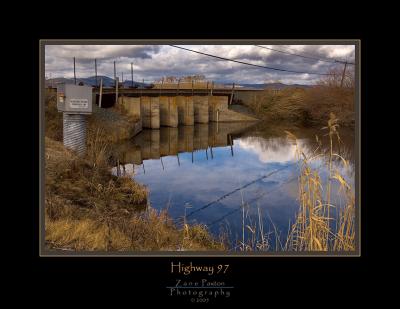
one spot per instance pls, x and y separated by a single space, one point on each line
152 62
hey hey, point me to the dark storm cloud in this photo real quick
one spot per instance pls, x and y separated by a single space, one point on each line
155 61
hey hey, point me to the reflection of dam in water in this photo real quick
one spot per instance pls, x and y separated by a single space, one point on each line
207 172
168 141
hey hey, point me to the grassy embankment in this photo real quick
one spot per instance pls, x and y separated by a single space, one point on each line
87 208
310 106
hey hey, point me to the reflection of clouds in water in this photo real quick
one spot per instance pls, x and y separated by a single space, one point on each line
272 150
280 150
204 181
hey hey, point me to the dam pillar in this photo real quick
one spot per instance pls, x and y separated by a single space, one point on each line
150 111
200 106
168 112
185 110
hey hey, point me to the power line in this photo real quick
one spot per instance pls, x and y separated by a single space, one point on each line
238 189
250 64
304 56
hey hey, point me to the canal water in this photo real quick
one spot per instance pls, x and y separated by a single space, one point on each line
235 178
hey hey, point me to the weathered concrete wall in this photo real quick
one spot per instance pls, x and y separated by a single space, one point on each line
216 103
150 111
200 106
131 104
230 115
185 110
168 112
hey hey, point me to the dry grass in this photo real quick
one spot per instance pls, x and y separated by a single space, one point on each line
317 227
87 208
114 123
313 229
53 118
306 106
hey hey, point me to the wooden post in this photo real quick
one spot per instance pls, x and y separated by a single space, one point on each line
230 100
231 143
212 86
95 71
343 75
101 91
74 72
162 163
192 88
132 73
177 90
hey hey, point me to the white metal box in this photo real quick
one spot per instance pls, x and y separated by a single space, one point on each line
74 99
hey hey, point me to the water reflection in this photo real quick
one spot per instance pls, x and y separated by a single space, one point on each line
212 170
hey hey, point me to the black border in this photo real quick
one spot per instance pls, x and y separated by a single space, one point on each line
150 274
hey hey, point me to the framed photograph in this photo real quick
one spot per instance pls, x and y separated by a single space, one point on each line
208 149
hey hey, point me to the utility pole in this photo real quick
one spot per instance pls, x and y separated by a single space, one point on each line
343 75
74 72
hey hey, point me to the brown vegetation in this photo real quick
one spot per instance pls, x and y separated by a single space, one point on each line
310 105
87 208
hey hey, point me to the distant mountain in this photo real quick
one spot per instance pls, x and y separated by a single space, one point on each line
109 82
275 86
90 81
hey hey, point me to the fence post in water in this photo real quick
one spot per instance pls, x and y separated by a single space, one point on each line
231 143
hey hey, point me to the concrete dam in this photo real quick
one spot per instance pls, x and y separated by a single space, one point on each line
154 112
